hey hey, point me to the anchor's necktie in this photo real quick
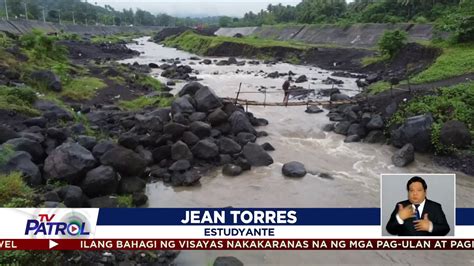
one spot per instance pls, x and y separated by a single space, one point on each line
418 216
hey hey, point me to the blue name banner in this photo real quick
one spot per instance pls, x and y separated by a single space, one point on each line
254 216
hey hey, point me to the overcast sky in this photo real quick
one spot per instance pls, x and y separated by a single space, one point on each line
195 8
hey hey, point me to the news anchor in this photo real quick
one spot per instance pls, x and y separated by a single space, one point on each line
418 216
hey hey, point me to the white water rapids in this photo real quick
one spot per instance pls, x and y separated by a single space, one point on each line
296 136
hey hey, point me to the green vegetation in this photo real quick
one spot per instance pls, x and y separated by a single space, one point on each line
452 103
41 47
374 59
6 152
378 87
144 101
13 189
18 99
342 12
455 60
82 88
199 44
22 257
125 201
391 42
117 38
149 82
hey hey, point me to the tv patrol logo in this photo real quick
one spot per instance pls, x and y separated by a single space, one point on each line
71 224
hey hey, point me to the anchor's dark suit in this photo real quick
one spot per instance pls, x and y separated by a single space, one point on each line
435 215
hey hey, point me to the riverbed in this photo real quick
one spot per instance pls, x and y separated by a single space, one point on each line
351 170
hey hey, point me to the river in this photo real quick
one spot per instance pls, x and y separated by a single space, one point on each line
355 168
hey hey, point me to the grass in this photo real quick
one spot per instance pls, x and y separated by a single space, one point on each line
19 100
13 189
368 60
150 82
378 87
6 152
199 44
125 201
82 88
455 60
118 38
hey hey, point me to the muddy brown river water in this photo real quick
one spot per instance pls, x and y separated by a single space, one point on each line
297 136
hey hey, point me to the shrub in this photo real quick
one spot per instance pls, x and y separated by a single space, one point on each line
391 42
42 46
13 188
18 100
453 103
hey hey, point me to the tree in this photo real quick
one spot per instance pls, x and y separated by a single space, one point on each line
392 42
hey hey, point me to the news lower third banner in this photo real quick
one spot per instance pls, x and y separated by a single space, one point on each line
216 228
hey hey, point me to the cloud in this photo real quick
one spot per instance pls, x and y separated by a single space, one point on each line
195 8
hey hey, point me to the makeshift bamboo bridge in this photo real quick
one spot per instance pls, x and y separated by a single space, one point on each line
264 103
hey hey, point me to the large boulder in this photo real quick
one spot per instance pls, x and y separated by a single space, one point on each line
256 155
21 162
189 138
293 169
100 181
455 134
190 89
200 129
217 117
149 123
47 79
356 129
339 97
342 127
182 105
180 151
205 149
301 79
72 196
228 146
206 100
131 185
244 138
375 136
417 131
241 123
102 147
125 161
231 170
27 145
174 129
187 178
7 133
68 162
52 111
404 156
180 166
227 261
161 153
376 122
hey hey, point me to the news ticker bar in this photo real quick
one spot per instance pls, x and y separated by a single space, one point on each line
237 244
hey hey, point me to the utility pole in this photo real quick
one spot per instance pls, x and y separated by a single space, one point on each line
73 18
26 10
59 12
6 9
44 16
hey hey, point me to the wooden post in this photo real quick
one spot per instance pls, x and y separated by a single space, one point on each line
265 97
238 93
